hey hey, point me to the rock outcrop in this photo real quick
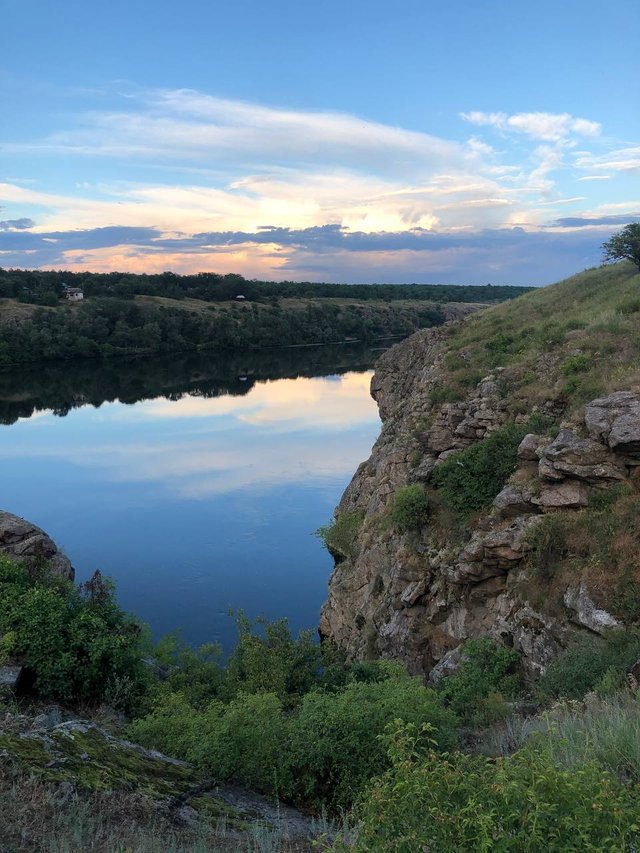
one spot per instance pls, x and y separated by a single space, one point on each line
416 597
24 542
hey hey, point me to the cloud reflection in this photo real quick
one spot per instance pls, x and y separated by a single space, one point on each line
283 431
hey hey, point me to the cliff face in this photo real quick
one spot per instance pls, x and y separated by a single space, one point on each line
416 596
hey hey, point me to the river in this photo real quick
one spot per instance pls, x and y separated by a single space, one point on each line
195 482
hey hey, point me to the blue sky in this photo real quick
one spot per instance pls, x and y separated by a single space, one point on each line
336 141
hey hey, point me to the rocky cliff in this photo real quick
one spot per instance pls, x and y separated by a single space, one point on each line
552 555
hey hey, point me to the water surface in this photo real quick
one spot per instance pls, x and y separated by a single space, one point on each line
195 482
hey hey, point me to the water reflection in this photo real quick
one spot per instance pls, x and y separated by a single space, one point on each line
195 484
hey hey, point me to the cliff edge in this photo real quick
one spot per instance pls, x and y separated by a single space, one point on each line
501 498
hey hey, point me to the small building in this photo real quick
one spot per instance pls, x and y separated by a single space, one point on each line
241 298
73 294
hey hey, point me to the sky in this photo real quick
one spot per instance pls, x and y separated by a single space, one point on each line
417 141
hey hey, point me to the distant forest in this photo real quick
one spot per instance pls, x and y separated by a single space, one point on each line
45 288
118 318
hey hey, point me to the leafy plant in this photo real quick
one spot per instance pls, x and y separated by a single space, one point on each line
340 537
470 480
488 673
410 508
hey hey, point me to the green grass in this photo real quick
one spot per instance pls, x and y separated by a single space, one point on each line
577 339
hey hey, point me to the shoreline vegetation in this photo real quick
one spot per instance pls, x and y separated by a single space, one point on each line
144 315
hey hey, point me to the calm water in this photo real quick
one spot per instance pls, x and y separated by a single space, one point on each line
195 482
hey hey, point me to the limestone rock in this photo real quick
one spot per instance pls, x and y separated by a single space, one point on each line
528 447
568 455
571 494
24 542
513 501
586 612
616 420
10 677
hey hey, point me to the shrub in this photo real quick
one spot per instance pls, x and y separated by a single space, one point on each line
77 643
409 508
523 802
340 537
336 744
470 480
443 394
628 307
576 364
320 752
580 669
487 671
547 541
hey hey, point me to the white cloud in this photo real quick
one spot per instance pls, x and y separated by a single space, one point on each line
549 127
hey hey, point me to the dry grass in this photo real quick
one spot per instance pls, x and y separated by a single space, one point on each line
39 816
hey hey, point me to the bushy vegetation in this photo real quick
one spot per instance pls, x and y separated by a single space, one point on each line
340 537
292 718
487 675
77 644
468 481
288 716
106 326
525 802
409 508
594 664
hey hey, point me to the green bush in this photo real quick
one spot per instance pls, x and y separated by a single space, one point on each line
470 480
487 671
582 668
322 751
409 508
340 537
547 541
462 803
77 643
336 745
443 394
576 364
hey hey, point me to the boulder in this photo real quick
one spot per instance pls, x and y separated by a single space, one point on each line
446 666
615 420
568 455
24 542
528 447
585 612
513 501
10 677
571 494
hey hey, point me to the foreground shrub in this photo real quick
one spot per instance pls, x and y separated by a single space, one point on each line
322 752
335 740
409 508
76 642
458 802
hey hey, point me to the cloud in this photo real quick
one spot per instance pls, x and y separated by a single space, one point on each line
16 224
618 160
590 221
550 127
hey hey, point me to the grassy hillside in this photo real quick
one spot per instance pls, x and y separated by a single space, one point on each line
569 342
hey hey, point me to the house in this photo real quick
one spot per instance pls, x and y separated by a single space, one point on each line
241 298
73 294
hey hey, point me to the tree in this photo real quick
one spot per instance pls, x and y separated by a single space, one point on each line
625 245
